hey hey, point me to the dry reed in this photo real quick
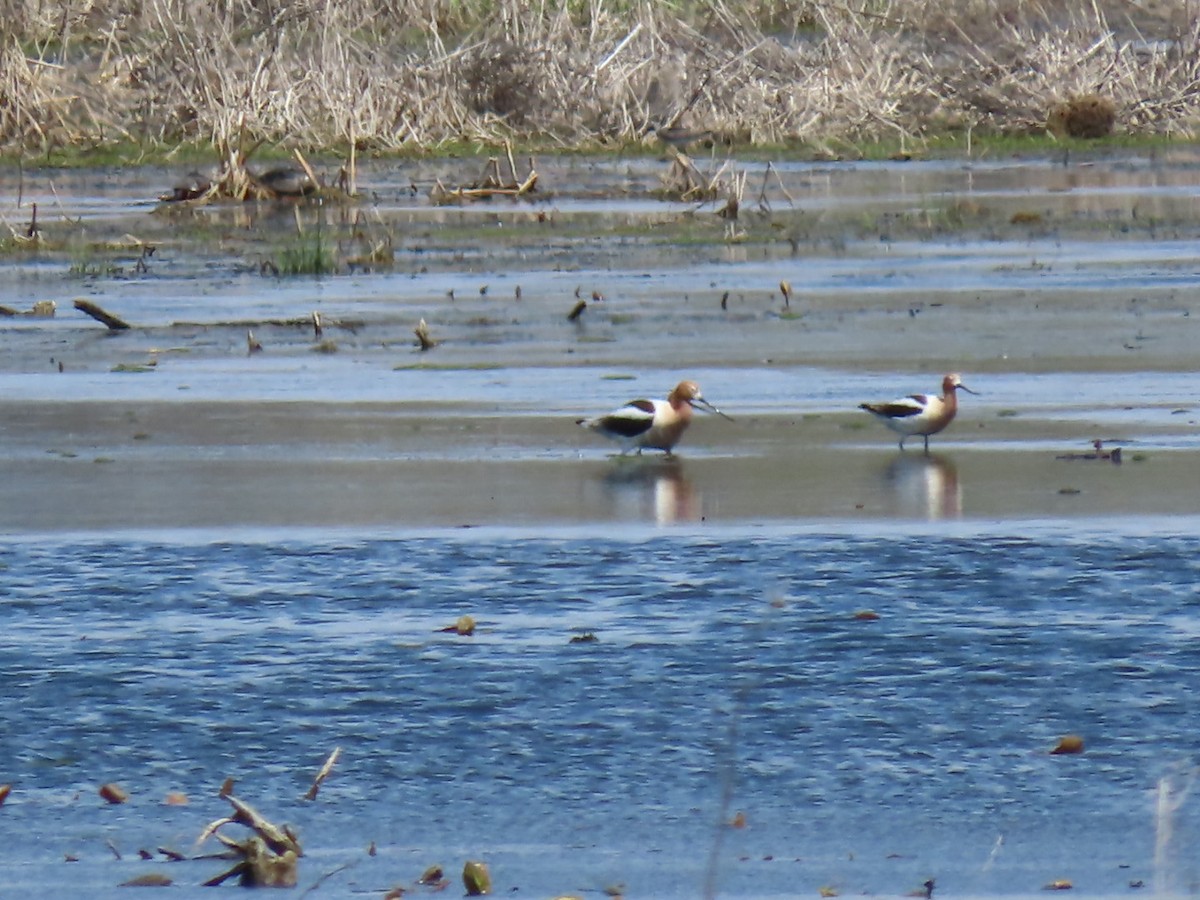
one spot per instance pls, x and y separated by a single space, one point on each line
386 74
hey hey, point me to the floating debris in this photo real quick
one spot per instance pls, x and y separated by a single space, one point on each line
1059 884
464 625
268 858
785 288
491 184
432 875
253 345
424 340
323 774
476 878
1098 452
1068 743
577 311
113 793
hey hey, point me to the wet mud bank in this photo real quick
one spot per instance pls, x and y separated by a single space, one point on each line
1062 291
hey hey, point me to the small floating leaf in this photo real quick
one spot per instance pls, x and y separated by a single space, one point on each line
5 790
866 615
826 891
1068 743
1059 884
176 798
464 625
432 875
113 793
476 879
738 821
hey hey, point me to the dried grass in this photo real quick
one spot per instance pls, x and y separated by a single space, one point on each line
383 74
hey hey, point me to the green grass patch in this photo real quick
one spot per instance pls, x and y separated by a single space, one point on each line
308 254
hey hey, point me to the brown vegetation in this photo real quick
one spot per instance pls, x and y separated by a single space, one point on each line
380 76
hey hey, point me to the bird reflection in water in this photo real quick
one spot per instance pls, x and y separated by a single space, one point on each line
654 487
925 486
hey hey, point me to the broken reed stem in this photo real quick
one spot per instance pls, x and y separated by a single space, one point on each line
325 769
114 323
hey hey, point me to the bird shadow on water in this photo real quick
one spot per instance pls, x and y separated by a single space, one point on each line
653 487
924 486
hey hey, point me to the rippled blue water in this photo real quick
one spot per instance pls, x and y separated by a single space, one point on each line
728 674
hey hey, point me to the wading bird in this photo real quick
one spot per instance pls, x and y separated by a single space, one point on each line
921 414
680 138
652 424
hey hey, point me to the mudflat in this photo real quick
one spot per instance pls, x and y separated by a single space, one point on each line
1078 329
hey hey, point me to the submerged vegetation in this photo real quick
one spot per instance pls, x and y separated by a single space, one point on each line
149 78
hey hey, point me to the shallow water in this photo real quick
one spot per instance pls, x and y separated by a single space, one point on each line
225 565
867 755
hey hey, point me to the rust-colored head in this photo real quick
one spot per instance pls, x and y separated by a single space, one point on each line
685 392
953 382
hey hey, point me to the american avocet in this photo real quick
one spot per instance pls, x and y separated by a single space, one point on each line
652 424
920 414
